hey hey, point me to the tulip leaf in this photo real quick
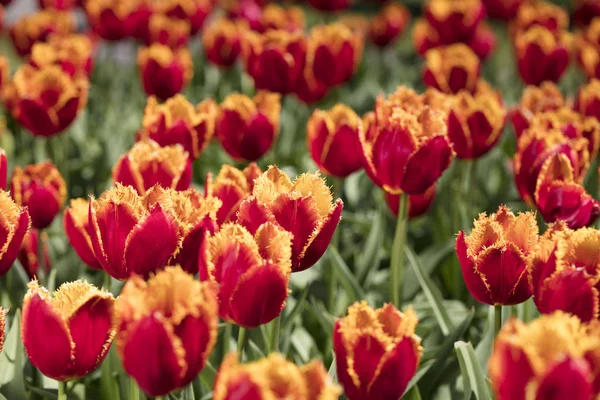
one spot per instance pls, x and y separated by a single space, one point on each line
423 368
14 353
109 388
298 307
473 377
431 292
188 393
371 247
351 285
483 350
325 319
208 375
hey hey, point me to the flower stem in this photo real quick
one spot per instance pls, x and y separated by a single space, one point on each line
332 292
106 285
497 319
275 324
397 257
62 393
241 342
226 338
134 390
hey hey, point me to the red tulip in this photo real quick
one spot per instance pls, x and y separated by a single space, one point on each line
285 18
535 100
164 72
222 42
76 224
495 257
455 21
541 13
503 9
29 253
586 11
308 90
171 32
63 5
248 127
14 224
452 69
418 204
376 351
115 20
588 99
68 333
73 53
167 329
37 27
388 24
192 11
41 189
330 5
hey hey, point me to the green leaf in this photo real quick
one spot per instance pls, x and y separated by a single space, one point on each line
325 319
188 393
298 307
351 285
431 292
423 368
15 355
412 394
483 350
109 387
473 377
369 252
208 375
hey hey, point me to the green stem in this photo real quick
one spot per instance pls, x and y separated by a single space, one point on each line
275 325
497 319
107 284
226 338
62 393
134 390
241 342
397 257
332 289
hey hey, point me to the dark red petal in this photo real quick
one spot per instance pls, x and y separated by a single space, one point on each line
343 157
43 207
368 352
78 239
571 291
125 175
341 361
3 169
510 371
9 257
505 271
252 215
426 165
391 151
231 196
462 142
568 379
396 371
195 335
34 116
188 254
68 113
473 280
258 139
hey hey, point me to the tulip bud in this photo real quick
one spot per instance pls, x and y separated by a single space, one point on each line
68 333
285 18
305 208
222 42
541 13
454 21
171 32
37 27
247 127
554 356
41 189
332 138
62 5
76 223
388 24
588 99
28 100
418 204
14 224
503 9
29 254
495 257
535 100
231 186
330 5
176 121
452 68
3 169
542 56
164 72
73 53
192 11
273 378
254 272
167 329
115 20
376 351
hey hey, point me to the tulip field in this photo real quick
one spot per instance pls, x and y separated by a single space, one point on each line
299 199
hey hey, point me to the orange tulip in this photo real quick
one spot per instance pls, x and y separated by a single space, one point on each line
455 21
164 72
38 27
452 68
14 224
285 18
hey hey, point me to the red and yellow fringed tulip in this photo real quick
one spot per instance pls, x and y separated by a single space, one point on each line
167 329
388 24
171 32
585 11
554 357
542 55
285 18
332 138
46 101
38 27
455 21
147 164
330 5
452 68
164 72
192 11
334 53
232 186
495 257
29 254
63 5
116 19
588 99
252 272
503 9
14 224
73 53
535 100
550 16
247 127
305 208
275 59
176 121
273 378
41 189
222 41
68 333
418 204
76 223
376 351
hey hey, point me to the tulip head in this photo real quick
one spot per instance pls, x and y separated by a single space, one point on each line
176 121
247 127
37 27
192 11
14 224
171 32
542 13
164 72
418 204
376 351
455 20
73 53
452 68
585 11
68 333
222 42
305 208
76 223
388 24
29 254
535 100
588 99
495 257
115 20
285 18
332 138
503 9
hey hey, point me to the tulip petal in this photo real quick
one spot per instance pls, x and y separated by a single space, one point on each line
568 379
426 165
510 371
341 361
126 175
473 279
257 139
395 370
78 239
196 337
187 257
366 355
43 207
318 245
35 117
253 214
12 250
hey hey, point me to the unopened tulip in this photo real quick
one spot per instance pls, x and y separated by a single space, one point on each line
388 24
167 329
176 121
332 138
37 27
41 189
455 21
14 224
330 5
73 53
495 257
68 333
418 204
76 222
171 32
452 68
588 99
192 11
273 378
115 20
164 72
503 9
305 208
248 127
553 357
550 16
535 100
376 351
29 254
222 42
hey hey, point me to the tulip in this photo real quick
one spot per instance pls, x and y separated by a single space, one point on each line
548 15
247 11
455 21
388 24
541 56
46 101
305 208
285 18
62 5
29 253
273 378
376 351
334 53
222 42
37 27
167 329
115 20
495 258
171 32
14 224
332 138
252 271
503 9
452 69
588 99
247 127
585 11
164 72
535 100
308 90
231 186
41 189
76 224
192 11
68 333
275 59
123 228
176 121
3 169
552 357
4 75
418 204
329 5
73 53
475 124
